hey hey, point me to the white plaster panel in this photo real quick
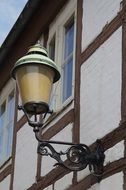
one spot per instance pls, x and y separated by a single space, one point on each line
5 184
94 187
26 158
64 135
114 153
64 182
49 188
83 173
100 108
96 14
114 182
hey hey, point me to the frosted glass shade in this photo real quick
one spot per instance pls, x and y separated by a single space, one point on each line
35 74
35 84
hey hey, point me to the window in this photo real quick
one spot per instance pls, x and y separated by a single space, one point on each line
10 122
52 49
61 47
67 68
6 125
2 120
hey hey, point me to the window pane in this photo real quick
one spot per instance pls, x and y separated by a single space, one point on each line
67 79
1 145
52 102
9 139
2 114
10 108
9 127
52 49
68 62
69 39
2 122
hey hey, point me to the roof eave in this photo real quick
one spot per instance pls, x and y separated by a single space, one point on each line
18 27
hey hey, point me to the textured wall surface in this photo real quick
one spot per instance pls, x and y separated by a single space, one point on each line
26 159
64 183
96 14
4 185
114 182
49 188
114 153
101 90
64 135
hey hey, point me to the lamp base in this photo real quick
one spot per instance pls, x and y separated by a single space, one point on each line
36 107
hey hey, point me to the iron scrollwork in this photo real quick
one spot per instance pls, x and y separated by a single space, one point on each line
77 156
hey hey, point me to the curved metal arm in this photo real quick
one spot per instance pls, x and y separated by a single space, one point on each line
75 161
77 156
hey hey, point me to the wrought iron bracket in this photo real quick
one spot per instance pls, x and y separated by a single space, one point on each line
76 157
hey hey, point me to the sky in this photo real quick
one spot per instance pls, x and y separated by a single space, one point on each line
9 12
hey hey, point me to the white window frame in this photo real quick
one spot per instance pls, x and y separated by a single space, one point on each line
57 29
4 96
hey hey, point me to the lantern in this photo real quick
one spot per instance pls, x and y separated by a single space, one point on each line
35 74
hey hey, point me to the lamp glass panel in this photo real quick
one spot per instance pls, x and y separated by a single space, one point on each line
35 83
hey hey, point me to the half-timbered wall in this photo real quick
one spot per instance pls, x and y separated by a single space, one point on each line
100 110
5 184
114 182
97 108
64 135
96 16
26 159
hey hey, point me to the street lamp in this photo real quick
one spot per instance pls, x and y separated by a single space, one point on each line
35 74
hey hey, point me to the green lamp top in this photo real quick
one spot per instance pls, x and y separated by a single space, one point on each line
38 55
